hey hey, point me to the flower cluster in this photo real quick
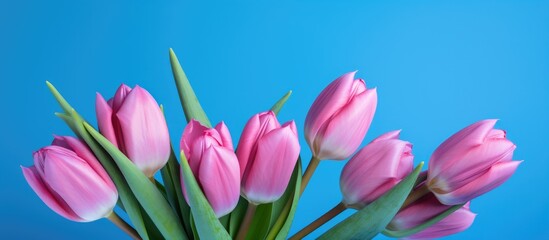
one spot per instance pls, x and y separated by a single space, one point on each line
80 178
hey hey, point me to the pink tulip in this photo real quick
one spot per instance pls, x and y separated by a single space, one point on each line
214 164
375 169
133 121
71 181
267 153
470 163
427 208
340 117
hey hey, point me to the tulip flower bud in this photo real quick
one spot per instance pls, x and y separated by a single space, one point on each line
470 163
375 169
133 121
213 162
71 181
340 117
426 208
267 153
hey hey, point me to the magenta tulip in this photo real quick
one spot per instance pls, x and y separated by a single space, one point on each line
470 163
71 181
425 209
267 153
375 169
213 162
133 121
340 117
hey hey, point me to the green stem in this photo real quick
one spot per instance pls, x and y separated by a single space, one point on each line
245 225
120 223
313 164
415 195
339 208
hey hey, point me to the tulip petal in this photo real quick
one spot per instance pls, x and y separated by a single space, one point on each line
345 132
81 188
192 131
120 96
104 119
497 175
225 135
35 181
146 136
389 135
456 222
85 154
247 142
382 164
276 156
471 136
331 99
474 163
220 179
200 145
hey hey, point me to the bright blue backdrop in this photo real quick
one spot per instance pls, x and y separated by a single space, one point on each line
438 66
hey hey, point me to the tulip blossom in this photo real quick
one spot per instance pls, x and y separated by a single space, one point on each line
267 153
427 208
213 162
71 181
470 163
133 121
375 169
340 117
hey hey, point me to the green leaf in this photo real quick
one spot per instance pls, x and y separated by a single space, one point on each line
207 224
280 103
191 105
225 221
259 227
193 227
144 190
237 216
171 176
286 206
421 227
128 202
371 220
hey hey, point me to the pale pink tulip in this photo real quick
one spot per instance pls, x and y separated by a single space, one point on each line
213 162
375 169
71 181
427 208
470 163
133 121
340 117
267 153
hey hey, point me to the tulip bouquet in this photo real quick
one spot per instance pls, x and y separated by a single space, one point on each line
219 190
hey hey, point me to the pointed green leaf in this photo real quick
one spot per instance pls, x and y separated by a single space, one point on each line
421 227
193 227
371 220
144 190
207 224
189 101
280 103
128 202
171 176
259 227
225 221
286 208
237 216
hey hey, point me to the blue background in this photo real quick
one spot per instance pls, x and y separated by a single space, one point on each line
438 66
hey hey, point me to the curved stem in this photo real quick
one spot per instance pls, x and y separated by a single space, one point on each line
313 164
415 195
339 208
245 225
120 223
